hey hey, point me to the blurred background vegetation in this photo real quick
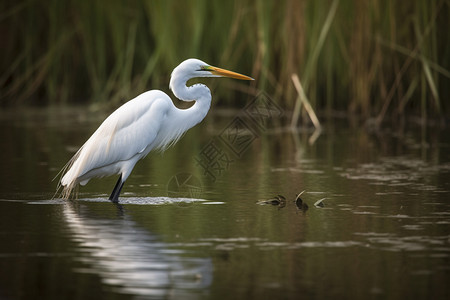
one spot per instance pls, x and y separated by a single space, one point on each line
371 58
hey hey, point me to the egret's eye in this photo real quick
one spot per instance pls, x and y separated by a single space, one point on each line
204 68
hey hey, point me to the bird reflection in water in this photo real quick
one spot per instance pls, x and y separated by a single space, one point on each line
132 259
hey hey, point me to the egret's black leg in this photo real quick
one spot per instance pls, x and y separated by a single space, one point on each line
114 197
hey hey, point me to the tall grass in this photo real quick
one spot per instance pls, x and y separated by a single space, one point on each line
374 58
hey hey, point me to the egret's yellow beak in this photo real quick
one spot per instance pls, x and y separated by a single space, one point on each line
226 73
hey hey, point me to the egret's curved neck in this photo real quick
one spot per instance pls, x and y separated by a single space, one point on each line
199 93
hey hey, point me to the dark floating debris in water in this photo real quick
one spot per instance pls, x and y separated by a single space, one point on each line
299 202
279 200
319 203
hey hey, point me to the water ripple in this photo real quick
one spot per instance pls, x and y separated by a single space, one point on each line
132 201
397 172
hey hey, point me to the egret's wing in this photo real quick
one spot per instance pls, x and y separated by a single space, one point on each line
126 132
129 132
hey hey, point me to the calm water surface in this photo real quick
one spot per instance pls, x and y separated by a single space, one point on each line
189 226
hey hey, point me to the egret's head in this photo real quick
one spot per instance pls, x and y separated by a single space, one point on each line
192 68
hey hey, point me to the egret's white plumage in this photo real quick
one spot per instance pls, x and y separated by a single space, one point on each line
149 121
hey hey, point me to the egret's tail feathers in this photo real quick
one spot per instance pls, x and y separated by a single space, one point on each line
67 182
70 190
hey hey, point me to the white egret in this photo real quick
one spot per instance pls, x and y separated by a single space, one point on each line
149 121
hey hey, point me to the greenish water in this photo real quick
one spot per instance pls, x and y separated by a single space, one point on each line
186 231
